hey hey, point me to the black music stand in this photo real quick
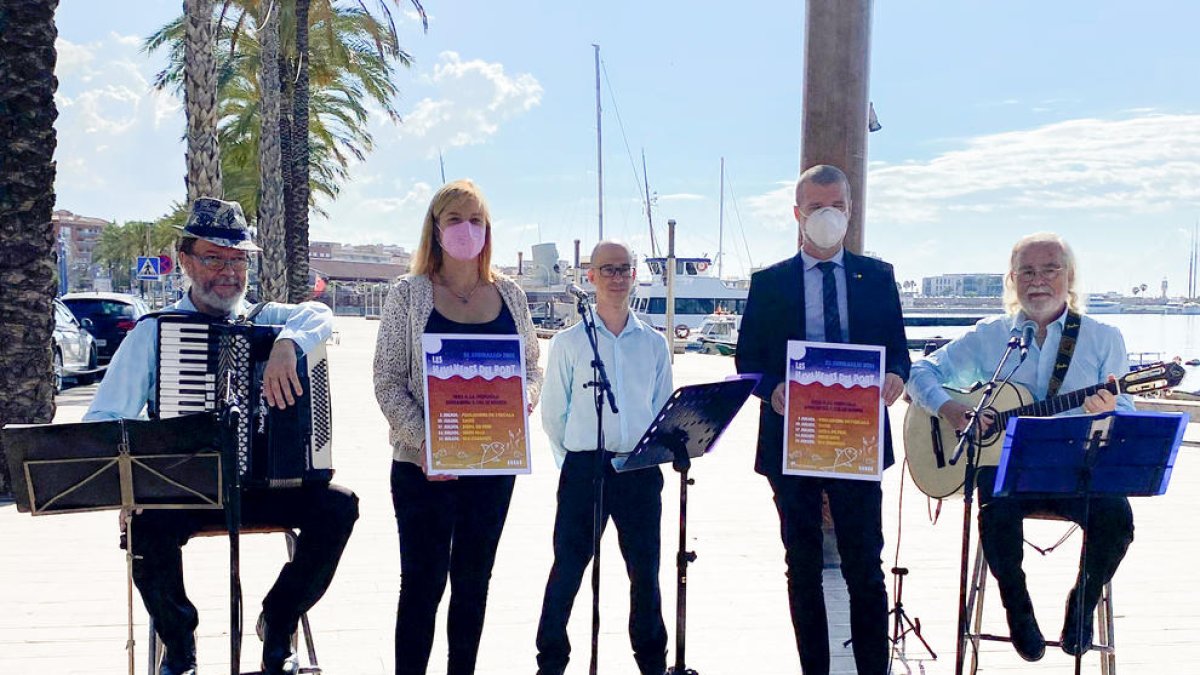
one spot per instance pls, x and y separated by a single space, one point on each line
133 464
120 464
1109 454
688 426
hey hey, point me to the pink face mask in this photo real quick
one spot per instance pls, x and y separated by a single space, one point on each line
463 241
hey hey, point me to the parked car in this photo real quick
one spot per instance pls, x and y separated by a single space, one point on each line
75 351
112 316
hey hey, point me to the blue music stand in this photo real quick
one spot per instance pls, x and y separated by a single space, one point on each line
688 426
1109 454
1114 453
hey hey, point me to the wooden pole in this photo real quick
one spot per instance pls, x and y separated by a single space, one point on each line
836 82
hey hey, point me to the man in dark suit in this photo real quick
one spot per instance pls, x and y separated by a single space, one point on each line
825 294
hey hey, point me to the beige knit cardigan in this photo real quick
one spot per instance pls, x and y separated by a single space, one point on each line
399 371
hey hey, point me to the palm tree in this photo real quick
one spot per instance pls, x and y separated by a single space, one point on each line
298 194
351 60
273 272
296 228
120 245
200 102
27 142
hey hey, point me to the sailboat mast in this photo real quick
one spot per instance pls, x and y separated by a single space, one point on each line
721 227
599 155
1192 266
649 217
1193 263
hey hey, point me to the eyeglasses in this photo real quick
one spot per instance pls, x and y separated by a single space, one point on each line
616 271
1028 274
217 263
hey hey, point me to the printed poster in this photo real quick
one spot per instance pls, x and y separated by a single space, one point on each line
475 412
834 404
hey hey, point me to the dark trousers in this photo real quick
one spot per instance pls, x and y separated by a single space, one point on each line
856 507
324 515
447 529
634 501
1108 532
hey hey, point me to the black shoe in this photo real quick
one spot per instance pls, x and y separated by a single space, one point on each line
278 656
1025 635
179 659
1071 643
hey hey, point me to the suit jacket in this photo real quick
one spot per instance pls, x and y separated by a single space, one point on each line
775 314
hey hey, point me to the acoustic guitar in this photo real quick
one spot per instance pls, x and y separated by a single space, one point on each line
929 441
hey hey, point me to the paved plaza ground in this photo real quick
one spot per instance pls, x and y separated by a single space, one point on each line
63 602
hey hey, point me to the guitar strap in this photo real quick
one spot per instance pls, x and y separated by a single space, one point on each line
1066 348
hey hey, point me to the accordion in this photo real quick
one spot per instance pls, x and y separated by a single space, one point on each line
205 365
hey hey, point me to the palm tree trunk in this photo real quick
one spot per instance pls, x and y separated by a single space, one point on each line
272 275
297 224
27 142
200 102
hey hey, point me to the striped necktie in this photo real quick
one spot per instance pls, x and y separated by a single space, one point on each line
829 298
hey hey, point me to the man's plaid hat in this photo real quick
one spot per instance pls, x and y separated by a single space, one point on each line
219 222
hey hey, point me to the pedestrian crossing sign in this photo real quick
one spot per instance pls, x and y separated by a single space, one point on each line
148 268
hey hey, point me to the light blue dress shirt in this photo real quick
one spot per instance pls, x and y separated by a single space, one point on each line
639 368
1099 352
814 303
129 382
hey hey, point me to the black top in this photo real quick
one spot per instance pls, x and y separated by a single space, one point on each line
503 324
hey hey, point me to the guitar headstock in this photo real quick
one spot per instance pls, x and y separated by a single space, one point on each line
1151 378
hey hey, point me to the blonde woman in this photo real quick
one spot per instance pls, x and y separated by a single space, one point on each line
449 528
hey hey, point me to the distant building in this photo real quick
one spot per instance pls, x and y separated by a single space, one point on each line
963 286
375 254
353 279
76 237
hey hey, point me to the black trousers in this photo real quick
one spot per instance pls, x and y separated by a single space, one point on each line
634 501
324 515
857 521
448 529
1108 531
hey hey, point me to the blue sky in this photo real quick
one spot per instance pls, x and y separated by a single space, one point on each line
999 119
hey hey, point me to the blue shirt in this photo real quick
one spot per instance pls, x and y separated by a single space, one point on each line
814 303
1099 352
129 382
639 368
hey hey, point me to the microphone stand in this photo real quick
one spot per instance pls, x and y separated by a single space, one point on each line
601 389
969 446
231 418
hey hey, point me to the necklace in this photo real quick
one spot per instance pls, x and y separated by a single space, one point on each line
464 298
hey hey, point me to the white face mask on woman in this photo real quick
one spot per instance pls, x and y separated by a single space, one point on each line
826 227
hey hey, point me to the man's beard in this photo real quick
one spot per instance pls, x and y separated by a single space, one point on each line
210 298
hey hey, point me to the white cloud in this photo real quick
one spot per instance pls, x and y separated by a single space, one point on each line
472 99
960 210
1105 166
73 59
116 135
126 40
680 197
417 197
108 110
166 108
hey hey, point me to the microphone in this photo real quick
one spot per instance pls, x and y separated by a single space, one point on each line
1027 335
578 292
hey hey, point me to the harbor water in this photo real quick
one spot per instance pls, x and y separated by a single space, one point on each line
1153 336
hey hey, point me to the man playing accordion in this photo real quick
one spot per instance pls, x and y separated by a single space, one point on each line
214 255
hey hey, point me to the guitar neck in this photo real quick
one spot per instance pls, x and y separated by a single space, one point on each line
1055 405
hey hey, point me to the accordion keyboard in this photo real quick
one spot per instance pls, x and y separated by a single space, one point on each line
187 369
